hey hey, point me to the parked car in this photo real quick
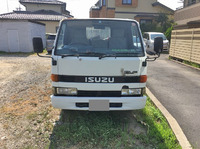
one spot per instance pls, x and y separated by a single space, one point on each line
50 42
149 40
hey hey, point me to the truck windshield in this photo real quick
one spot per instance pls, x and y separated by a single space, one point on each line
99 38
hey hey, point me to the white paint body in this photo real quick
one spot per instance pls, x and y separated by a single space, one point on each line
93 66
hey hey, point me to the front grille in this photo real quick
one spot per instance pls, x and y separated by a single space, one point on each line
99 79
103 94
86 105
99 93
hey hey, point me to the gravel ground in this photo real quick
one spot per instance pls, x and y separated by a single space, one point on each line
26 115
17 74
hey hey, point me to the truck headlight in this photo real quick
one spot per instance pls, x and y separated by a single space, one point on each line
66 91
131 91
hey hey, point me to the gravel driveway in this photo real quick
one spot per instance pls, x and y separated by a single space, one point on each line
17 74
26 115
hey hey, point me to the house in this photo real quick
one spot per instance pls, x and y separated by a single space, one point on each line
51 9
48 12
53 5
18 28
144 11
17 35
188 16
50 18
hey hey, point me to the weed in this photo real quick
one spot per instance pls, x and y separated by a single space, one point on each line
16 53
32 116
191 64
185 62
20 99
111 130
159 129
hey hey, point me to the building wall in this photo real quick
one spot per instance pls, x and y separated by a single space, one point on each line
51 26
111 3
36 30
23 41
129 11
106 12
94 13
187 14
35 7
118 3
146 18
143 6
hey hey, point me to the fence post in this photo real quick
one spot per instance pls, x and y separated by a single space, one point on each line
192 39
174 45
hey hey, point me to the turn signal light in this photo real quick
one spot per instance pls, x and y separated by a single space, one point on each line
54 78
143 79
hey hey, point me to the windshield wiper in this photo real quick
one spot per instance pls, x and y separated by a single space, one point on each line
128 53
66 55
107 55
101 55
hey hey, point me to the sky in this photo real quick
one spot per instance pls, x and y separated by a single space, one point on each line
78 8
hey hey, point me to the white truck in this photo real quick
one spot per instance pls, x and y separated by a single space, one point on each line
99 65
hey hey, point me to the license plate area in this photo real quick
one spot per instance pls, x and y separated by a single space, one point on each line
98 105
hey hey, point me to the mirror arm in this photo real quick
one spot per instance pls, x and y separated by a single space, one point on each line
43 56
151 59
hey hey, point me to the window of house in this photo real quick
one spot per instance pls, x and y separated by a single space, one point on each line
145 21
127 2
190 2
104 2
57 27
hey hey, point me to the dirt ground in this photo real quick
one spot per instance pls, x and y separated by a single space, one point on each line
26 115
27 118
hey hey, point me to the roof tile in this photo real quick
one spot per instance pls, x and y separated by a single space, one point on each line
41 15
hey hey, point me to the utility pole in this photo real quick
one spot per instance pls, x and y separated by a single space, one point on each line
19 8
7 7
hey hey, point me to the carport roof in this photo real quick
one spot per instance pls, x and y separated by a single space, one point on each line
41 15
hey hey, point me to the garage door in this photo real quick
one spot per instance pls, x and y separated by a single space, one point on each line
13 40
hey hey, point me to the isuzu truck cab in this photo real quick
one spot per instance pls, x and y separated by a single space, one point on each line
98 65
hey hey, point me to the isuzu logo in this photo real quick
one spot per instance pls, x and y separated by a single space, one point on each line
127 72
99 79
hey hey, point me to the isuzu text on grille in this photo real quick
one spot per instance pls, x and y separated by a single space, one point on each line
99 79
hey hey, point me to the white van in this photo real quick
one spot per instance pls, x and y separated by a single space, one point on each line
98 65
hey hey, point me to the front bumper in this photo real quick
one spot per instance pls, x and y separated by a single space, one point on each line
70 102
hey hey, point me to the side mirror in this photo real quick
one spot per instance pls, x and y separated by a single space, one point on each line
37 45
158 45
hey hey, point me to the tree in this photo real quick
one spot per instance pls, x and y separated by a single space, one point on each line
162 19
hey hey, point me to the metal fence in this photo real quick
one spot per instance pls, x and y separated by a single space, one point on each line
185 44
